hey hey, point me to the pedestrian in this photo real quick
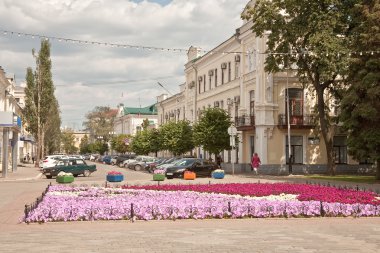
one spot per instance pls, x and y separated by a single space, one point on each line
255 163
28 157
219 161
33 158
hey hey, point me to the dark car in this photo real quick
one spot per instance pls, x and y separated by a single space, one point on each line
74 166
201 167
107 159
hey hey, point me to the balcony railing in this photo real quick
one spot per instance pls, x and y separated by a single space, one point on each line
245 122
296 121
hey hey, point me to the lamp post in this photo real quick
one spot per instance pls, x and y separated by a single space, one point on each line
232 132
288 120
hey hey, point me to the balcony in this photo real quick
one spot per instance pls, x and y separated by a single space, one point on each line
296 121
245 123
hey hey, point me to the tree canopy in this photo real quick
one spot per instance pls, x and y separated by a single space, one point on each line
119 143
99 122
311 37
360 107
211 131
177 137
40 99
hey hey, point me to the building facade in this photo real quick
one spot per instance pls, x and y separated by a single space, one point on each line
129 119
232 77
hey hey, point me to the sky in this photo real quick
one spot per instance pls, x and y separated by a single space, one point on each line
87 75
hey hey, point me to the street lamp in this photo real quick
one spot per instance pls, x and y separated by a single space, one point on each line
232 132
288 120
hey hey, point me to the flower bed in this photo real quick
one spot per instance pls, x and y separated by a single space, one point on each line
65 203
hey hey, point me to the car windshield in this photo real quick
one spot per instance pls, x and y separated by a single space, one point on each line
185 162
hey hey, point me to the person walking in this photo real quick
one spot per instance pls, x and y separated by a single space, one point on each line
255 163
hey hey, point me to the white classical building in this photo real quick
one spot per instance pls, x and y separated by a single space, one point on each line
129 119
232 76
10 123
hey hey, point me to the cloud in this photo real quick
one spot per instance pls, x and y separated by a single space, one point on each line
86 75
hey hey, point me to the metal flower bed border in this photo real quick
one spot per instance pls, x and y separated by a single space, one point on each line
130 213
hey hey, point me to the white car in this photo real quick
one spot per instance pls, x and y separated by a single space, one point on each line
50 160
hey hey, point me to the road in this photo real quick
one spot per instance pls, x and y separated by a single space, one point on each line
224 235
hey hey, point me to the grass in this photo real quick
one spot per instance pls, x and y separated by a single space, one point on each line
347 178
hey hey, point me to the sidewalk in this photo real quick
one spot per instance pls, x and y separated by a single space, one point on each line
25 171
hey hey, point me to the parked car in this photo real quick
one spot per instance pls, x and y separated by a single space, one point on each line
107 159
114 160
72 165
94 157
50 160
140 162
121 158
86 156
158 162
201 167
168 163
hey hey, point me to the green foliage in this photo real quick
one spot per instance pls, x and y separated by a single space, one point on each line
100 122
68 141
313 35
84 145
39 100
141 143
53 130
177 137
211 131
99 147
145 124
360 107
118 143
155 139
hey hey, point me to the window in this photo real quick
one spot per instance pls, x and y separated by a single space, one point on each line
138 129
237 69
209 82
222 76
221 104
229 72
199 88
80 162
204 83
252 103
296 146
295 105
252 144
216 77
340 149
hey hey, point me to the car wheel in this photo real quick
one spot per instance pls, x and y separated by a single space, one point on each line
112 163
75 175
120 164
137 167
48 177
86 173
169 177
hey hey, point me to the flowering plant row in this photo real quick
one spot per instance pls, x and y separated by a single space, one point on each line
114 173
304 192
159 171
65 203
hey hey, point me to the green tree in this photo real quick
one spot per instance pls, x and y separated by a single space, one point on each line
155 140
118 143
53 130
68 141
140 143
313 36
99 147
211 131
99 123
84 145
177 137
360 107
39 97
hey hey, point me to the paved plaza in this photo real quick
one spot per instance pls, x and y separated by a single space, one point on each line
217 235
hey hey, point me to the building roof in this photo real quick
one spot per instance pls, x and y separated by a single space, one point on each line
149 110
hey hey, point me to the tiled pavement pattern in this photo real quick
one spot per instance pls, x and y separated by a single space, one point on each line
227 235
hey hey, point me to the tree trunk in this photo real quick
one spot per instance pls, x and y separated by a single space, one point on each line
378 169
327 132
